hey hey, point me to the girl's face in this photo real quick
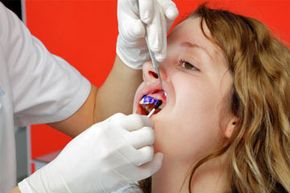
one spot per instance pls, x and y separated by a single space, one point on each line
197 83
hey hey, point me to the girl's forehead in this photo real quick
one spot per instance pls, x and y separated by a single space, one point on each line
194 30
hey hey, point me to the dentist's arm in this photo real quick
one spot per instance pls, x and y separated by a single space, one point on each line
115 95
15 190
118 150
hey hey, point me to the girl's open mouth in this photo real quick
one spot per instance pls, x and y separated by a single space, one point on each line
153 99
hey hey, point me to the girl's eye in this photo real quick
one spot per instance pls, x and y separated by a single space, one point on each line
187 65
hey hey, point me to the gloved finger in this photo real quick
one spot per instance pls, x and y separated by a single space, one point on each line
133 122
155 31
145 155
141 138
161 55
169 9
152 167
132 29
131 7
146 10
115 117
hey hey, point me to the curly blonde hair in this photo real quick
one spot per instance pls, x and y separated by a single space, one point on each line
259 148
260 65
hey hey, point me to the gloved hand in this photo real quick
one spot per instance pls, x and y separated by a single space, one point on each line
105 157
135 19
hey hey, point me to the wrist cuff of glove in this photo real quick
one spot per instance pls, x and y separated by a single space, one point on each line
126 62
38 182
131 56
24 187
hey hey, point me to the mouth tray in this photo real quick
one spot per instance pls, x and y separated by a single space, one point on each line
148 103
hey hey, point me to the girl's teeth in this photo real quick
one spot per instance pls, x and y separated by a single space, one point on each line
165 94
143 101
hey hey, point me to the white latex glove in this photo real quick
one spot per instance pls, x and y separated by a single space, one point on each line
105 157
135 18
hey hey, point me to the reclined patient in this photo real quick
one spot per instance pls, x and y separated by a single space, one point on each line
223 126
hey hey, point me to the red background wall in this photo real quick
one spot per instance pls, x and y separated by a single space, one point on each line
84 32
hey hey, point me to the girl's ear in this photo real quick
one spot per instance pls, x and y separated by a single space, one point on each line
231 125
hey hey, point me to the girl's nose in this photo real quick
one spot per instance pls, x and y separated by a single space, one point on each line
149 73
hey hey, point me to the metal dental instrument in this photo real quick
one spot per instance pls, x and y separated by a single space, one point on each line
152 56
151 112
154 61
154 109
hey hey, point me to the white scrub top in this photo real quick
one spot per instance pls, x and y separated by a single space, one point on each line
35 87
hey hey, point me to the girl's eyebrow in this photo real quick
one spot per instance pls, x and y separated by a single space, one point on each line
194 45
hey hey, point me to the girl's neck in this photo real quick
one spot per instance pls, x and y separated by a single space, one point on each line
174 177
